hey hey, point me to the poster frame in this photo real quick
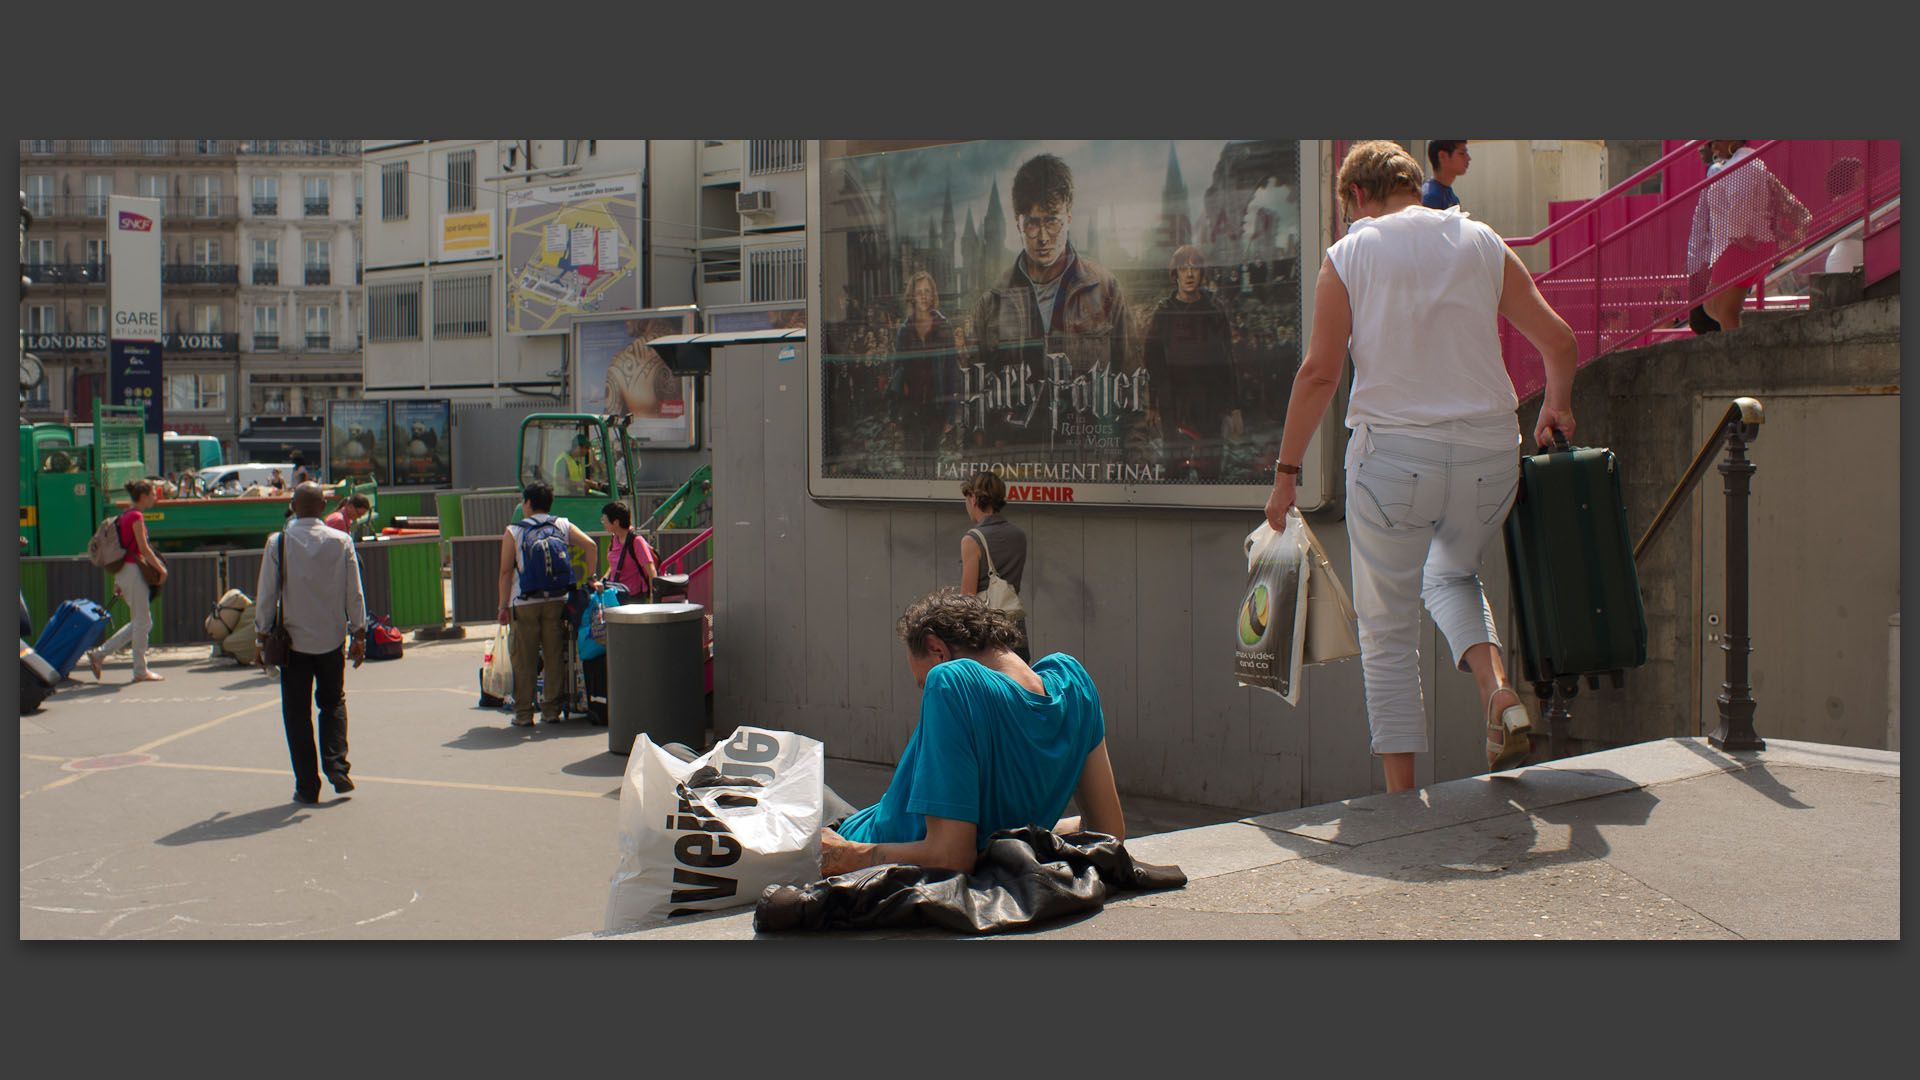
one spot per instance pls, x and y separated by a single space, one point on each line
394 405
386 431
690 317
1313 491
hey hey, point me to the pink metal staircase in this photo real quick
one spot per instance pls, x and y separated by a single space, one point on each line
1620 274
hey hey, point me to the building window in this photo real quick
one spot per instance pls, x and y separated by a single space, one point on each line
199 392
98 189
101 147
40 196
319 327
393 191
206 146
206 319
461 305
359 191
777 274
206 251
39 146
393 312
153 147
39 252
319 195
266 327
206 196
318 261
460 180
97 259
40 319
96 318
266 195
153 187
775 156
719 265
266 261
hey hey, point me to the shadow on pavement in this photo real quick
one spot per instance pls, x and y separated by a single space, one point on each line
221 826
601 764
504 734
1755 776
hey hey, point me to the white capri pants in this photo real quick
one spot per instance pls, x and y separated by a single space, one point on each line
1419 515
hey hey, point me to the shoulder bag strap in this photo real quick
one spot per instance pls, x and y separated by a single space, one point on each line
280 597
977 535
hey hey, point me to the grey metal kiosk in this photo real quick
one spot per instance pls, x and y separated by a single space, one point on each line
656 675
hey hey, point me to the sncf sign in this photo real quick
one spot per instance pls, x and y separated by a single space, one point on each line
135 222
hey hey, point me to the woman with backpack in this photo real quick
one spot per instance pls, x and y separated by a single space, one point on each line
139 570
631 563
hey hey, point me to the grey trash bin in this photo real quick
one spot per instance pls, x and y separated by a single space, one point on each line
656 675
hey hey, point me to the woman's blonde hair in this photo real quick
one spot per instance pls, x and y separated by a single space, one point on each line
915 280
1379 168
988 490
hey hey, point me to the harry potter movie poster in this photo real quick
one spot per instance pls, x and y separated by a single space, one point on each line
1070 313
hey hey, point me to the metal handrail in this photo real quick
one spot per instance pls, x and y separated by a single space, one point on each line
1744 411
1592 206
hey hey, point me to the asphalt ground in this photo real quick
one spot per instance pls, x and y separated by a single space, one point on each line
164 810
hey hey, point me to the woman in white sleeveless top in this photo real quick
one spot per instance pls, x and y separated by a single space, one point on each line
1432 463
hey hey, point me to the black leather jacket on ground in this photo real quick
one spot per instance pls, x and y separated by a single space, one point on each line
1024 877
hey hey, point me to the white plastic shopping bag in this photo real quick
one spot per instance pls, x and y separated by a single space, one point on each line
1270 631
714 832
496 667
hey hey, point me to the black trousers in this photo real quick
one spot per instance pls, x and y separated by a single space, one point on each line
321 677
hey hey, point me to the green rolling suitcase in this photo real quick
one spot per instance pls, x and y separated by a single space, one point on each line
1570 560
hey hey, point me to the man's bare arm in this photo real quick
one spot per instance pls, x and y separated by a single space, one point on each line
949 845
1099 799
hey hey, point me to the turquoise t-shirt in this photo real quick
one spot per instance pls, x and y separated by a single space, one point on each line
988 751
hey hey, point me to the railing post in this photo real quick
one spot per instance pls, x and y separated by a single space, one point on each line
1736 699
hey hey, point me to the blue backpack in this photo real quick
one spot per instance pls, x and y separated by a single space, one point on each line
546 560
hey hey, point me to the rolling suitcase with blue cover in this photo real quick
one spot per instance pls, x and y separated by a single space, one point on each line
1570 559
77 626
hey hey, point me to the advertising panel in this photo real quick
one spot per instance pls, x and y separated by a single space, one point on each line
134 375
1105 322
466 236
422 442
620 373
358 441
571 250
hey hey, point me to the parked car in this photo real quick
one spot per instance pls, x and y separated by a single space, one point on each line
233 479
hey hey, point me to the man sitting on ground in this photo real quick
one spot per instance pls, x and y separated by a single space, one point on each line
1000 745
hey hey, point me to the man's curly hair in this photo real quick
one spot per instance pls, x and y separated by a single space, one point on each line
964 622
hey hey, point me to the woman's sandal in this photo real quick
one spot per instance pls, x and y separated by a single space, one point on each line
1508 729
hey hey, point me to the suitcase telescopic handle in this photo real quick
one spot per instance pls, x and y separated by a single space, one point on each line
1560 441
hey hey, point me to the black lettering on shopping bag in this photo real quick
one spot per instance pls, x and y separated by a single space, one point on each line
707 849
706 888
752 746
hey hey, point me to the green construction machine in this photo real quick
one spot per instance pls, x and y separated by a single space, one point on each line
67 490
572 452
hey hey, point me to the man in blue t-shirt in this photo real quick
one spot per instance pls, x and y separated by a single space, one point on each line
1000 745
1449 159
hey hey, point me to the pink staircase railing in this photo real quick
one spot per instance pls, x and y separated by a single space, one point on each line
1621 273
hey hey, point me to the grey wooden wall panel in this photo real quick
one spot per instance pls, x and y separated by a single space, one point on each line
1056 579
1113 604
1220 706
736 678
827 643
950 523
785 498
912 574
871 643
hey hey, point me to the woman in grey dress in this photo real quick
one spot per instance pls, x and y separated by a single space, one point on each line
986 496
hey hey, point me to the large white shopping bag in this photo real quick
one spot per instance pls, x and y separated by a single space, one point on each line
714 832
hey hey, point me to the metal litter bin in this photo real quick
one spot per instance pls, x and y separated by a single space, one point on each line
656 675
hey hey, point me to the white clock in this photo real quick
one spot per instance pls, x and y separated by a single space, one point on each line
30 373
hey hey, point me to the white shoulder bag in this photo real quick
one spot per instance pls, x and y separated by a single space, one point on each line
1000 592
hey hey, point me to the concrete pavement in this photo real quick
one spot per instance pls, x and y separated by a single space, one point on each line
162 810
1667 840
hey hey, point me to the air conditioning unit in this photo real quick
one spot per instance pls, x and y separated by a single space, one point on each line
753 202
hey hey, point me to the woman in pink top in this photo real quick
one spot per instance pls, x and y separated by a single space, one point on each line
630 560
131 582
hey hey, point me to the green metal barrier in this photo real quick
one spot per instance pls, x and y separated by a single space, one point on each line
451 523
410 581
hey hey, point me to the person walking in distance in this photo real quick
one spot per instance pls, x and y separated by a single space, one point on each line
320 603
986 496
536 573
134 579
1449 159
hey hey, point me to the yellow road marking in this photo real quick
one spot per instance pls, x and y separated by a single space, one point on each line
55 784
165 739
46 757
359 779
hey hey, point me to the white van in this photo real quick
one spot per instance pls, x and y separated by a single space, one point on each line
234 479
